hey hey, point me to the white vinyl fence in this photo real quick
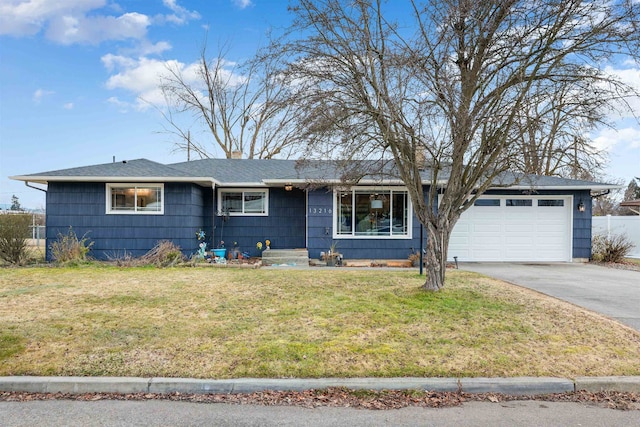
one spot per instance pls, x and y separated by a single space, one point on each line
613 225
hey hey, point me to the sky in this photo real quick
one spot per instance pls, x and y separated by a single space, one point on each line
77 78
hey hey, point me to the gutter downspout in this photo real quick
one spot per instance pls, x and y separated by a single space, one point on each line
46 246
36 188
213 216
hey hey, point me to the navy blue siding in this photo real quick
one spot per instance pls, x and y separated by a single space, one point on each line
189 207
582 224
320 211
284 226
83 207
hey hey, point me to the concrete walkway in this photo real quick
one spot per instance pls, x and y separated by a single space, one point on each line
609 291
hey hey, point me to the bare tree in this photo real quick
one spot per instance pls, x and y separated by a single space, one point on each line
244 107
451 84
632 192
555 123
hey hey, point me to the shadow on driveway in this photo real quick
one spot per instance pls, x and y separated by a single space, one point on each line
608 291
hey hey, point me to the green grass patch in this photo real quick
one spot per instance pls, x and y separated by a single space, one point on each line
10 345
226 323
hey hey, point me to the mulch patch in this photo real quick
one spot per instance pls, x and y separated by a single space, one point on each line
342 397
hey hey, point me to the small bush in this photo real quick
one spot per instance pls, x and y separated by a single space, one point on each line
124 259
14 231
610 249
163 254
69 249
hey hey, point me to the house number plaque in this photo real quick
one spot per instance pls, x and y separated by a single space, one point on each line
320 211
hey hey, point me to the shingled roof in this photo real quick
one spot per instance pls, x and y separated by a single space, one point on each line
262 172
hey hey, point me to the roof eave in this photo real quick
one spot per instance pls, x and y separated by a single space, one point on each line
560 187
44 179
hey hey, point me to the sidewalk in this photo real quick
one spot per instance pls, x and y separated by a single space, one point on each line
511 386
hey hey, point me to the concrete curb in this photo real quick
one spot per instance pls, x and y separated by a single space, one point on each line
597 384
124 385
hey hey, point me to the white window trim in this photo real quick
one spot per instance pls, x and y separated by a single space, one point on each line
109 209
352 236
244 190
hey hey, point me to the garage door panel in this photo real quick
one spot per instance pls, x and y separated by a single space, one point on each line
518 227
489 240
551 239
514 233
548 230
459 241
485 228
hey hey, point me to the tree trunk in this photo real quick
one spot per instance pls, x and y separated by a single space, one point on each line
436 257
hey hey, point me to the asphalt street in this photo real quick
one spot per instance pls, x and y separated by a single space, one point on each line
165 413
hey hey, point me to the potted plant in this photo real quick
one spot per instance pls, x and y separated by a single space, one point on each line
333 257
414 257
220 252
235 252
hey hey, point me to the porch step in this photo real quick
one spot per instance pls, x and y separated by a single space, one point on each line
299 257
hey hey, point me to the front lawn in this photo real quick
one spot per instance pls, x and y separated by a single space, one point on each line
225 323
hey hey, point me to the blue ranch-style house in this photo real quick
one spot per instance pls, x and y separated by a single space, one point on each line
129 206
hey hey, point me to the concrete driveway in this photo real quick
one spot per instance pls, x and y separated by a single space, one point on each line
612 292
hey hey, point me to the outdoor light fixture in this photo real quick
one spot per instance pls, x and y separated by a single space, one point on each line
288 187
581 206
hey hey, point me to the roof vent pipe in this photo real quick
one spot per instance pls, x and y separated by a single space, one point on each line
236 154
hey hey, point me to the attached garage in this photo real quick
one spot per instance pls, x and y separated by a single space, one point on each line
514 228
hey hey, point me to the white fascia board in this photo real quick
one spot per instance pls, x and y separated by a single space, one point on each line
281 181
46 179
241 184
560 187
369 182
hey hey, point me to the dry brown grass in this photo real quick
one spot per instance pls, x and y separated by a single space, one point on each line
222 323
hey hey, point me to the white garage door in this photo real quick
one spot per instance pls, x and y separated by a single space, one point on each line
514 228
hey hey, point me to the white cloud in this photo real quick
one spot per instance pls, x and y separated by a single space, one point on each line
153 48
180 14
111 61
68 106
606 139
29 17
92 30
142 77
243 4
122 106
41 93
82 21
631 77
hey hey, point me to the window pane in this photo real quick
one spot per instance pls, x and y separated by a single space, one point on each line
550 202
232 202
345 210
519 202
254 202
364 218
122 199
399 214
149 199
373 213
487 202
381 207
